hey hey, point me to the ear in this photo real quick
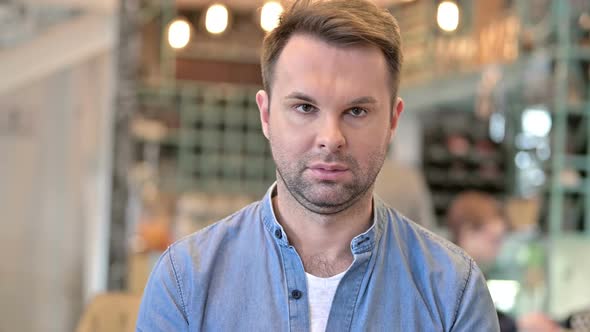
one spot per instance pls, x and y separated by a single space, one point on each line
262 100
396 112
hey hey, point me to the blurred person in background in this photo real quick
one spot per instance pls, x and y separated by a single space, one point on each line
404 188
319 252
477 223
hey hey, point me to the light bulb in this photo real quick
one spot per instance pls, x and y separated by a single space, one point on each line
447 16
270 14
179 33
216 19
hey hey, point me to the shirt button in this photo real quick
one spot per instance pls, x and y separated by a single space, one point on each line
296 294
278 234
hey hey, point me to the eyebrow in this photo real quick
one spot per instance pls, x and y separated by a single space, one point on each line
309 99
363 100
301 96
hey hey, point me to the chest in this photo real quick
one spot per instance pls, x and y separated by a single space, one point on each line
281 299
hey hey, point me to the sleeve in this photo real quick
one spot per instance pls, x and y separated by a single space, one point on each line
475 309
162 306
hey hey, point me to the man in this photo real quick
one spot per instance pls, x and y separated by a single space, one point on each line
478 224
319 252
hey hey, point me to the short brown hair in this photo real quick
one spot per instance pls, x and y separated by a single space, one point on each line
472 209
338 22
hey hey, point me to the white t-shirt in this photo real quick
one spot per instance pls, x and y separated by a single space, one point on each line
321 293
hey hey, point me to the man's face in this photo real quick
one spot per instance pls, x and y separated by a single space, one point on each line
329 121
484 243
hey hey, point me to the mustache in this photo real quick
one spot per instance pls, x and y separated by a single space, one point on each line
332 158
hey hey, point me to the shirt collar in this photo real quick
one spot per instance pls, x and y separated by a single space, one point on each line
361 243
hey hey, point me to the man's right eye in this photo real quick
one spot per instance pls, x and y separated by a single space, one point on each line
304 108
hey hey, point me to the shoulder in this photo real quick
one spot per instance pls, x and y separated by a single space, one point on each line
190 264
221 233
412 236
194 256
428 255
441 270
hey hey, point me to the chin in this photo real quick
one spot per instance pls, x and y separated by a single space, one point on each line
327 205
328 197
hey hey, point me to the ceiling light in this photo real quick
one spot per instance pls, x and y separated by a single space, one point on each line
179 33
270 14
536 121
447 16
216 19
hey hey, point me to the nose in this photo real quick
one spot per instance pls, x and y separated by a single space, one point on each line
330 136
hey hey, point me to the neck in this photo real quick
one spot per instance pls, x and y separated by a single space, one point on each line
322 240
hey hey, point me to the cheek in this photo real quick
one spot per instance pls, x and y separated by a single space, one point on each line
292 133
475 245
470 244
287 142
484 247
368 144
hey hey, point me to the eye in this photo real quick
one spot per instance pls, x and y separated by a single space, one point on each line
357 112
304 108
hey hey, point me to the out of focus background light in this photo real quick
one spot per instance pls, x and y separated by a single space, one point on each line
447 16
216 19
270 14
179 33
536 122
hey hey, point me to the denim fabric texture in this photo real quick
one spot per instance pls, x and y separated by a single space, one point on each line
241 274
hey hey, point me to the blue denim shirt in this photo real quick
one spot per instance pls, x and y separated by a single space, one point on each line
241 274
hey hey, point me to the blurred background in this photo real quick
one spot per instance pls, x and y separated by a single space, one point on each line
127 124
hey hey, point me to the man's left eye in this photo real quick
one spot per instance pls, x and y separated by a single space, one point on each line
357 112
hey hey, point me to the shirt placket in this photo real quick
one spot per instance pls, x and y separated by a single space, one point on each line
294 273
347 293
297 290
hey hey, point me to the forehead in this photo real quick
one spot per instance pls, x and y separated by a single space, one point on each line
307 62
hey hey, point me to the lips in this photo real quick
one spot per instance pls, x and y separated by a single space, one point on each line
331 172
327 167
